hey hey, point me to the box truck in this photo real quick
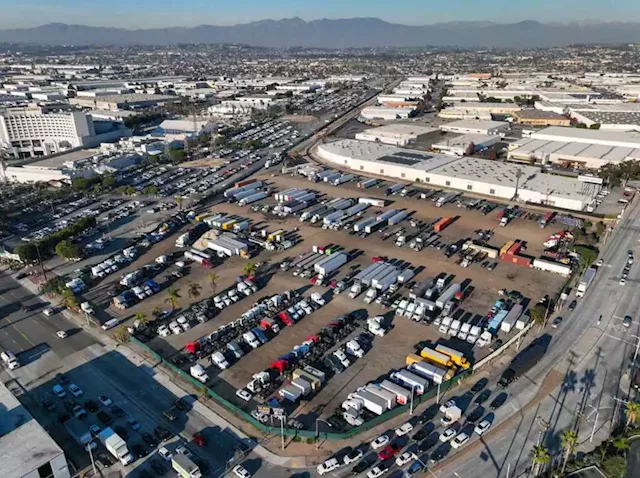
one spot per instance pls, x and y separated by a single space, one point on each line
115 445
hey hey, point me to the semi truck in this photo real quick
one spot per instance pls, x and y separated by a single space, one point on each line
512 317
372 202
447 295
586 281
430 371
522 364
393 189
410 380
456 356
331 263
115 445
403 396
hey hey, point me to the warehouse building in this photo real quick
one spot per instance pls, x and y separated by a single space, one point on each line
621 116
533 117
125 101
477 110
478 176
27 450
466 144
476 127
396 134
386 113
394 100
587 136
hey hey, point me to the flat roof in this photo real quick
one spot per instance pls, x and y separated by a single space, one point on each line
130 97
24 444
477 124
631 118
541 147
473 105
464 139
400 130
114 114
538 114
586 135
58 161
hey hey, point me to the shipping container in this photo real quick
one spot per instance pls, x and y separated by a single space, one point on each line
515 248
552 266
519 260
245 182
442 224
506 247
413 358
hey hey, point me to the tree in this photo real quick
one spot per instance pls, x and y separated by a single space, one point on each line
122 334
541 457
538 314
249 269
600 228
108 182
69 299
633 413
621 444
28 253
595 126
173 297
587 254
581 126
213 281
150 190
156 312
178 200
141 319
177 155
68 250
194 290
569 440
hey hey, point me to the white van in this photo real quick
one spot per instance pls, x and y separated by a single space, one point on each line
220 360
10 359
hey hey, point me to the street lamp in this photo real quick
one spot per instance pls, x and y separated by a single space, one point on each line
93 463
413 386
595 423
318 431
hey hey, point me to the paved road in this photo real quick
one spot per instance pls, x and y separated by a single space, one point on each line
28 334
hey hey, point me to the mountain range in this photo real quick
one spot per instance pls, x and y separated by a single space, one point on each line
342 33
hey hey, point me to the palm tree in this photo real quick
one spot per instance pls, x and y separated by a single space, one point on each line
141 319
194 290
173 297
122 334
569 440
213 281
620 444
541 457
249 269
156 312
178 200
633 413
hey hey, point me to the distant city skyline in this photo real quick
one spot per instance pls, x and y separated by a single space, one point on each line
167 13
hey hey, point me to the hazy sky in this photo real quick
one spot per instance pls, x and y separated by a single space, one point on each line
159 13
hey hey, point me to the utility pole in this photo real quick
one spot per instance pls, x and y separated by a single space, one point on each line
413 387
44 272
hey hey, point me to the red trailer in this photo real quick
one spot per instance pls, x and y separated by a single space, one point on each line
286 318
192 347
280 365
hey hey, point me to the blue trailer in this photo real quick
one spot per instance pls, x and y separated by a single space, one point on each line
494 323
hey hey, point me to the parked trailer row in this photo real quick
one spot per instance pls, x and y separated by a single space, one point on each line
331 263
398 218
231 192
367 183
373 202
253 198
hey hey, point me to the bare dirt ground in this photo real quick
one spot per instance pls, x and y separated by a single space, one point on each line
300 118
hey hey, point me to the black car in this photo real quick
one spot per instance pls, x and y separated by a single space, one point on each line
428 443
438 454
161 433
422 433
62 379
121 432
104 417
483 397
145 474
48 405
117 411
106 459
139 450
475 415
479 385
180 405
63 417
364 464
158 467
169 415
149 439
498 401
428 414
572 305
90 406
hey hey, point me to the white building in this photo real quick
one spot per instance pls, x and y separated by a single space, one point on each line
486 127
31 132
27 450
179 130
396 134
588 136
477 176
386 113
460 145
620 117
477 110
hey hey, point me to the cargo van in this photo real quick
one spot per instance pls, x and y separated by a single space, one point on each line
10 360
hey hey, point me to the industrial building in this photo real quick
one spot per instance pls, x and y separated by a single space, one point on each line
27 450
396 100
477 176
122 101
396 134
179 130
621 116
573 147
476 127
36 132
477 110
461 145
386 113
533 117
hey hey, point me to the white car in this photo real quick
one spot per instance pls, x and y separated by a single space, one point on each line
328 466
405 458
379 442
599 263
48 312
378 471
175 328
448 434
622 281
75 390
184 450
460 440
163 331
340 355
447 406
58 391
243 394
404 429
106 401
482 427
241 472
62 334
352 457
318 299
165 453
95 430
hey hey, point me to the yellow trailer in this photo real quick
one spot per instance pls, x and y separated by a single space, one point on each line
227 226
276 236
436 357
506 247
413 358
456 356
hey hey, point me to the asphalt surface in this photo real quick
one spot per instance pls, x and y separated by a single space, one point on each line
29 334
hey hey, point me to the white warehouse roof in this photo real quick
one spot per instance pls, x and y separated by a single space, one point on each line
396 131
589 136
474 125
